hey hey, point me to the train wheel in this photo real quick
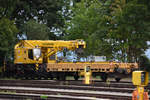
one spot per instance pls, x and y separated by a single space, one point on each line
117 79
22 76
45 74
63 78
45 78
32 77
39 78
16 77
51 78
76 77
57 77
26 77
104 77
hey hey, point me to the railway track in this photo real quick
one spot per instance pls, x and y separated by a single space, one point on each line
68 82
66 92
60 90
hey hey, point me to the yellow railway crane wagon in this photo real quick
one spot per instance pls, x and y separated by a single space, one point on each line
102 69
38 58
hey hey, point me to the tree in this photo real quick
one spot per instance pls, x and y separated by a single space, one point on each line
7 7
117 29
129 29
89 23
144 63
49 12
8 34
37 31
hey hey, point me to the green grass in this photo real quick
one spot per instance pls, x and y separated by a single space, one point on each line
7 92
43 96
6 78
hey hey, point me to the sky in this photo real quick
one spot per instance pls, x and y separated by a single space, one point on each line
147 53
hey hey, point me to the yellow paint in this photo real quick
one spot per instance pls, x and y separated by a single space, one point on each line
48 48
36 67
87 74
140 79
140 92
87 77
24 55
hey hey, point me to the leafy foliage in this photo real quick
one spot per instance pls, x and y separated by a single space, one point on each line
130 29
8 34
7 7
37 31
86 24
48 13
117 29
144 63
